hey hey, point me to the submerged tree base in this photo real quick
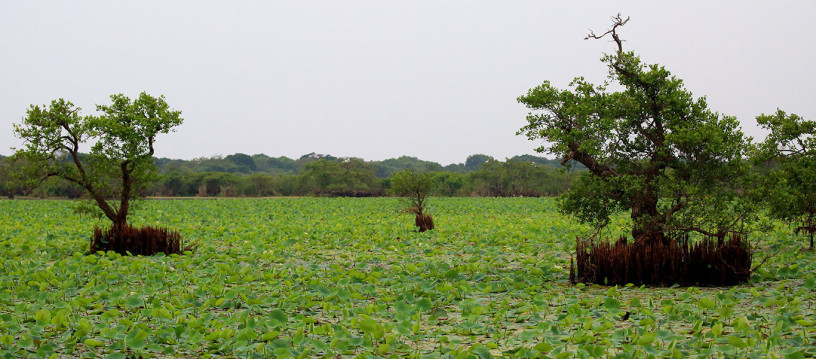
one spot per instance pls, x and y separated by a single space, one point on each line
705 263
424 222
145 241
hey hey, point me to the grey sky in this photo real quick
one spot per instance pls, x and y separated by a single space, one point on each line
379 79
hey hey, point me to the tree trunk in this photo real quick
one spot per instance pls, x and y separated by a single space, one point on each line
124 202
647 225
121 215
103 204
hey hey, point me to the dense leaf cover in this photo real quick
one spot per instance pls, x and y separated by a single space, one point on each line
322 176
119 165
652 149
790 185
329 277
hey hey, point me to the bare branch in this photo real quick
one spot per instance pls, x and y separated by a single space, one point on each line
769 256
617 21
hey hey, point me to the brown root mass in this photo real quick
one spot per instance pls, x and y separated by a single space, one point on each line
424 222
707 262
145 241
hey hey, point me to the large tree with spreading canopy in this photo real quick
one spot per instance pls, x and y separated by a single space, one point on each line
651 148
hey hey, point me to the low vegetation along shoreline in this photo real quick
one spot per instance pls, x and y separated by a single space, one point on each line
348 277
241 175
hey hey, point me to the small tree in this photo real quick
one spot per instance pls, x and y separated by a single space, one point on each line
790 153
414 188
119 164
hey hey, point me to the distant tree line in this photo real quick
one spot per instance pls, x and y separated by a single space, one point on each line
242 175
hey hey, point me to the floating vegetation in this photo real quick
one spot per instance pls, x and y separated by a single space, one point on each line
346 277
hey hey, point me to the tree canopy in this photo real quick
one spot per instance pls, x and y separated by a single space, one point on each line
651 148
351 177
120 161
790 152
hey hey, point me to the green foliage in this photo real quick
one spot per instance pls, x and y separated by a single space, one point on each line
518 178
272 279
245 163
475 162
650 148
216 183
8 186
555 164
273 165
790 183
233 175
384 169
522 175
120 162
447 183
414 188
352 177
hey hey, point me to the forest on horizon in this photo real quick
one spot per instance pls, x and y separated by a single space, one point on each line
242 175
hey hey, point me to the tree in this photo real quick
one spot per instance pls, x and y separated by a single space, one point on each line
650 148
8 186
414 188
351 178
119 163
790 152
245 162
216 184
386 168
300 163
273 164
517 178
259 184
446 183
474 162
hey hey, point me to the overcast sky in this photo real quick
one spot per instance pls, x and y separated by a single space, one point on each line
379 79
